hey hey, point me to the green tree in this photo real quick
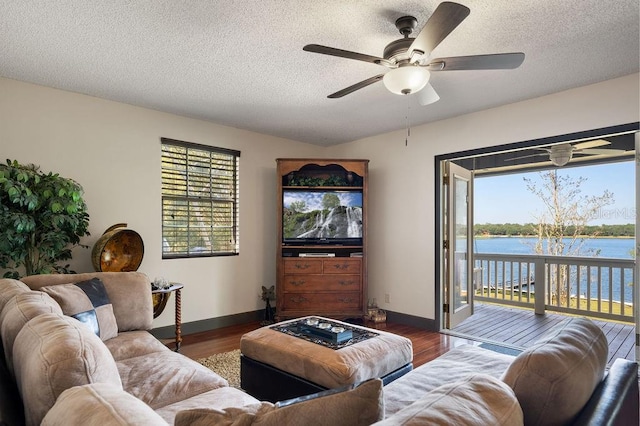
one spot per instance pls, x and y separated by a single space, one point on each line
298 206
526 229
42 217
330 201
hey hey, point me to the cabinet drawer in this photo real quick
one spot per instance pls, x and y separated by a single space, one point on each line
302 266
311 302
343 282
342 266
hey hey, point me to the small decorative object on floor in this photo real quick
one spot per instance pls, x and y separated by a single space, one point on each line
374 313
268 294
379 316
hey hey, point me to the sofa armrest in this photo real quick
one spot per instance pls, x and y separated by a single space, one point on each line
615 400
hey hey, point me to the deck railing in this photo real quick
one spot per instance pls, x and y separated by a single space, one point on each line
595 287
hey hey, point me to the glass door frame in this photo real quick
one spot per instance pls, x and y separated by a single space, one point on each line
633 127
457 247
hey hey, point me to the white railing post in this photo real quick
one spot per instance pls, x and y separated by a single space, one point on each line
598 288
540 284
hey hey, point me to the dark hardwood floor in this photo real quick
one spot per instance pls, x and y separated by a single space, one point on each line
427 345
512 327
207 343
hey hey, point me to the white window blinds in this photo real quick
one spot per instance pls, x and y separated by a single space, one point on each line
199 200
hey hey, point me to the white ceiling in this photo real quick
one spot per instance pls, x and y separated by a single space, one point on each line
241 63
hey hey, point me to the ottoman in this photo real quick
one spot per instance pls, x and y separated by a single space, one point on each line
275 366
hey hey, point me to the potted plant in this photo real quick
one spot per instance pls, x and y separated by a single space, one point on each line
42 218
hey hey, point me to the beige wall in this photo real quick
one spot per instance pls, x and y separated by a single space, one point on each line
113 150
401 207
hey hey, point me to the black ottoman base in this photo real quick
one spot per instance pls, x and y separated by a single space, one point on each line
267 383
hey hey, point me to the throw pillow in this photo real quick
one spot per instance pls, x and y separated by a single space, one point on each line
478 400
88 302
555 378
100 404
355 406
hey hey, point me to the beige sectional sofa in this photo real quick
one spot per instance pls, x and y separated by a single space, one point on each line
47 352
103 367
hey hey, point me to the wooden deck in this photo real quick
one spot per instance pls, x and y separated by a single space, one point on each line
520 328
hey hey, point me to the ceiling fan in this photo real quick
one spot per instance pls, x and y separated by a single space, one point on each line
409 60
562 153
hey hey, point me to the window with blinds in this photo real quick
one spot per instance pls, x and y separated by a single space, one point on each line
199 200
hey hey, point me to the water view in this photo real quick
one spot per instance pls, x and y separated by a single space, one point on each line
607 248
596 200
613 248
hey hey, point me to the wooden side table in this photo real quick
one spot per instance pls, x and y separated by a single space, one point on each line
160 298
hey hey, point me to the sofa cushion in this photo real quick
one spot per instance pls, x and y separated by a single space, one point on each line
478 400
53 353
454 365
359 405
17 312
88 302
100 404
9 288
129 292
554 378
132 344
163 378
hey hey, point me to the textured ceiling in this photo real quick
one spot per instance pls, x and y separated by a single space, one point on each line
241 63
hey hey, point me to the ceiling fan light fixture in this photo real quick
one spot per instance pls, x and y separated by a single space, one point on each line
406 79
561 154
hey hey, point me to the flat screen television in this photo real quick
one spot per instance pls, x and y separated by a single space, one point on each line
322 216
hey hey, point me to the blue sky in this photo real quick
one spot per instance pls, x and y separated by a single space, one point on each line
503 199
313 199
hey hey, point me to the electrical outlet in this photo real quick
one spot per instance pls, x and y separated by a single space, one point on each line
386 298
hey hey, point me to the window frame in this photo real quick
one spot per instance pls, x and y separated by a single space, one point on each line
186 202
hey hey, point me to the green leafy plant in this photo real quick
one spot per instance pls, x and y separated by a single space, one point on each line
42 218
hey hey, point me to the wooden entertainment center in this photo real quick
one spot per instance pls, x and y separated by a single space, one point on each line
318 272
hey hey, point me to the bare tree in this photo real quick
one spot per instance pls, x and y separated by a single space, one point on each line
560 226
567 212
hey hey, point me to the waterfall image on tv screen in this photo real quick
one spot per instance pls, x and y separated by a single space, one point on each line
320 215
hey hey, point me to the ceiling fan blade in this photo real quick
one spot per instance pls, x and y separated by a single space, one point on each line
591 151
498 61
591 144
316 48
360 85
442 22
427 95
525 156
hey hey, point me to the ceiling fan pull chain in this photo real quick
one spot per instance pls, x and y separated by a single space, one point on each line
406 139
